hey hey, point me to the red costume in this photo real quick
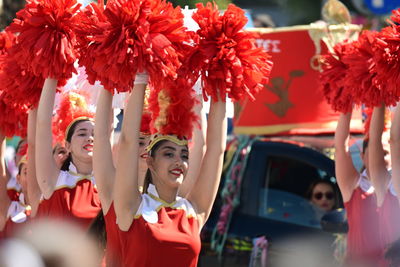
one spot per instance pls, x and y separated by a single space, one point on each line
389 218
162 234
75 198
18 213
363 239
113 249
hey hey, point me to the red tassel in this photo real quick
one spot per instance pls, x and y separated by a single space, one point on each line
230 62
13 118
387 65
333 76
360 74
46 38
135 36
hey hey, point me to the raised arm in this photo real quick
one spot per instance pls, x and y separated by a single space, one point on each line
4 200
205 189
127 196
346 173
395 149
33 189
378 172
46 167
104 170
196 150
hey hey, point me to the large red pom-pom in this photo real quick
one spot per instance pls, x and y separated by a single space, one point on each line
135 36
46 38
333 76
359 75
230 62
13 118
387 64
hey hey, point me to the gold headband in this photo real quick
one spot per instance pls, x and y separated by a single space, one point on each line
75 120
23 160
160 137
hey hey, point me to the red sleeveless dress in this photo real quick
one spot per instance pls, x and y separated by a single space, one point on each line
162 234
17 215
389 218
363 238
113 254
75 199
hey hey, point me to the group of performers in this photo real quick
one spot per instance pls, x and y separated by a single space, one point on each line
155 187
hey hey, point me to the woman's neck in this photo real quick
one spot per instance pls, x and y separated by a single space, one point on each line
84 168
165 193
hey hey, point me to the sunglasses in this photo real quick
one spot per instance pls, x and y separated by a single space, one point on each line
319 195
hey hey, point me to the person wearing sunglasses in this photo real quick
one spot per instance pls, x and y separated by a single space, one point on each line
322 195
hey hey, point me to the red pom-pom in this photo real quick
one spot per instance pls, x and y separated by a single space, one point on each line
230 62
73 105
333 76
21 87
387 64
359 75
135 36
6 41
46 38
13 118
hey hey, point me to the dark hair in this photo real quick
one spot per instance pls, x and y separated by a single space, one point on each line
97 230
365 144
327 182
71 130
20 168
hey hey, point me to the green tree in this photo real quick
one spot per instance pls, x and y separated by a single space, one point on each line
8 8
222 4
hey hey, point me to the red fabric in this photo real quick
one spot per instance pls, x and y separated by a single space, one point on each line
173 241
10 229
131 37
389 220
79 204
46 38
113 255
363 239
333 78
231 64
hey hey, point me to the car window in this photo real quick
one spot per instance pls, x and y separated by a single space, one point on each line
283 196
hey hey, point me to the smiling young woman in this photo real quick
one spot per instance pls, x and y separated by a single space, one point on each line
69 193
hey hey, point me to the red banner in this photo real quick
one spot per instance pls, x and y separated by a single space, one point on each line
292 102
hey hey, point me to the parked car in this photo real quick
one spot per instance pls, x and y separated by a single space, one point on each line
268 178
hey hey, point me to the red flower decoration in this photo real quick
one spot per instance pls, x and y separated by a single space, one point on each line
46 38
229 61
